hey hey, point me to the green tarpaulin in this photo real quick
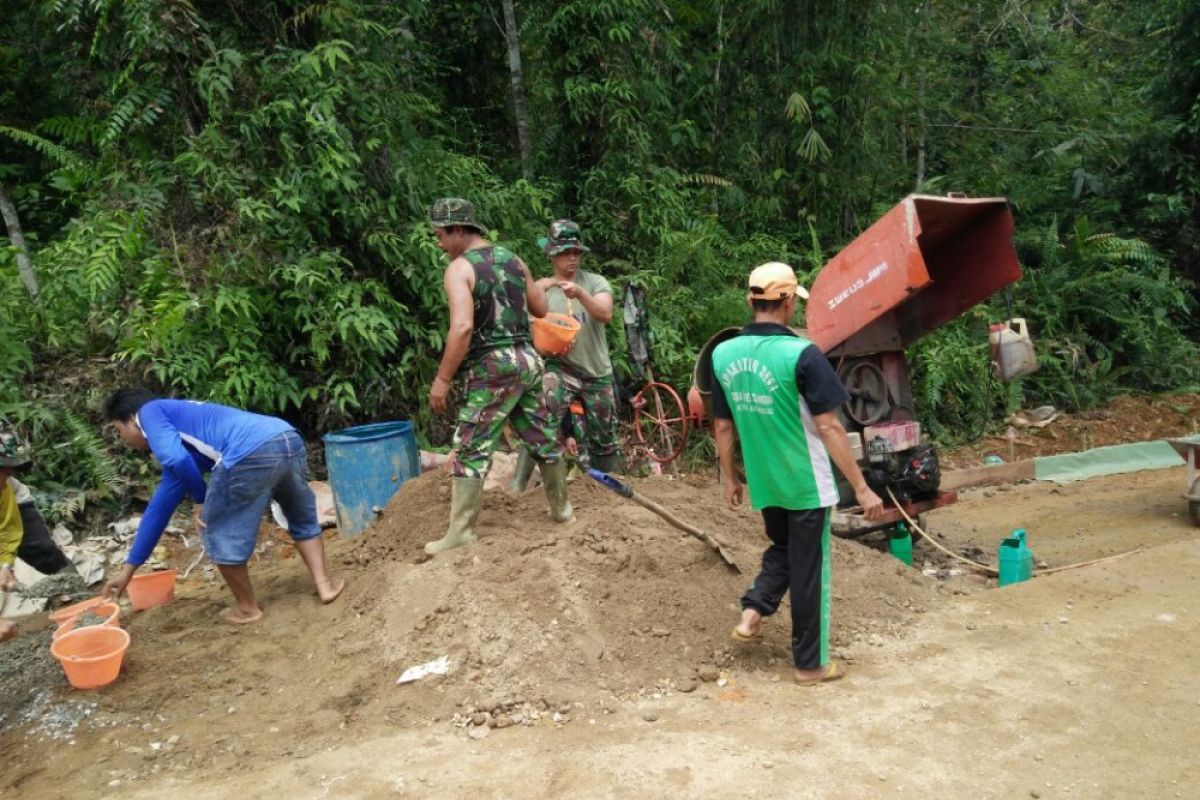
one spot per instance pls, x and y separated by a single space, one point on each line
1106 461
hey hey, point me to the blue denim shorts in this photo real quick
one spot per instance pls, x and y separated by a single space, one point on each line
237 498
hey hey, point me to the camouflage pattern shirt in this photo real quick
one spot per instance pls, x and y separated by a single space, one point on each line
501 308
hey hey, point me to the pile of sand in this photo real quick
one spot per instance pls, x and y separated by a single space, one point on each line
616 602
65 587
26 669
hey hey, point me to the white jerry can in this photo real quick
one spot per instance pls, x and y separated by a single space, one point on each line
1012 350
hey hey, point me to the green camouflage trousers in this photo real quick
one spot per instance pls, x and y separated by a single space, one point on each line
504 385
599 399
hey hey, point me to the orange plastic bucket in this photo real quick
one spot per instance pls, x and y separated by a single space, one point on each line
66 612
152 589
91 657
110 610
554 333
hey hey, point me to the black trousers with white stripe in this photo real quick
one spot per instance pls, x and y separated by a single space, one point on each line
797 561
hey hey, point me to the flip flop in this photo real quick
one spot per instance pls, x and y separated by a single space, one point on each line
833 672
738 636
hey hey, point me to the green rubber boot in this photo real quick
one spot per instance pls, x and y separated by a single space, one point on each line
554 475
612 463
522 473
466 495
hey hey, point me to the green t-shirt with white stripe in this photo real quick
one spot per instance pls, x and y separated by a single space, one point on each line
787 464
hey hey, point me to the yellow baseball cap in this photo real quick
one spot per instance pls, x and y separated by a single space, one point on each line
775 281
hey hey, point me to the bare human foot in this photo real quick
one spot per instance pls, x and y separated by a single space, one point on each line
329 590
749 626
8 630
239 616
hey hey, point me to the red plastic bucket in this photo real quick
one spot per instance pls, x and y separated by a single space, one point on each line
91 657
111 611
152 589
553 334
66 612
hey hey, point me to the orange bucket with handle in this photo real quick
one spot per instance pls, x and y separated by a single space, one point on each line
66 612
91 657
152 589
110 611
554 333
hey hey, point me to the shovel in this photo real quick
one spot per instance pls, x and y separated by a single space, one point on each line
625 490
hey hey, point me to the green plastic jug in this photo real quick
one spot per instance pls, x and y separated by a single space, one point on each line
900 543
1016 559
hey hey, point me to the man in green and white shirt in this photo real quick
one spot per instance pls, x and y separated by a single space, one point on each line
781 395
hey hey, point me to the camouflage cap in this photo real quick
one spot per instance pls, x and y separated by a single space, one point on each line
563 235
13 452
447 211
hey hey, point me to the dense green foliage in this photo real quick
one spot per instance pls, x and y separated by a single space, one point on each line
228 198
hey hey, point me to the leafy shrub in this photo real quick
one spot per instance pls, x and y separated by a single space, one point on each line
1108 314
1105 312
230 198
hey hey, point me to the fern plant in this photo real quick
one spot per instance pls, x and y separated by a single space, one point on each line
1107 312
101 471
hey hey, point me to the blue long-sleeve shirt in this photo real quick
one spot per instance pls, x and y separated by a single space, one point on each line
190 438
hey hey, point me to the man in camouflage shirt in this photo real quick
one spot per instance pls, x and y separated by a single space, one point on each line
585 372
490 294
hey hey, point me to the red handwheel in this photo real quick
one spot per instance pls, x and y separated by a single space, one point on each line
660 422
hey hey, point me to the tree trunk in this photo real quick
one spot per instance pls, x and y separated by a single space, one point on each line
518 87
716 112
920 163
923 10
8 210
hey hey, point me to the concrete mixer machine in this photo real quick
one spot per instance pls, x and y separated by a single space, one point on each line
925 262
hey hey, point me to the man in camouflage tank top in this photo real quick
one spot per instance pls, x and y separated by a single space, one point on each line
490 294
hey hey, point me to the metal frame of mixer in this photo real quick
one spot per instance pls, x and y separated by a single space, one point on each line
924 263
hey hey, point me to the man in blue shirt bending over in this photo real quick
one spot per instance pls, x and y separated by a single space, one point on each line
253 459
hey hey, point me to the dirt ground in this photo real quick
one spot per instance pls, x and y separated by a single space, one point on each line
599 650
1126 419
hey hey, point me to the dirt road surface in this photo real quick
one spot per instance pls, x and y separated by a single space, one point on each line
1081 684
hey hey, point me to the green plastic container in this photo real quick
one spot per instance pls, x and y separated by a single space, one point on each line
1016 559
900 543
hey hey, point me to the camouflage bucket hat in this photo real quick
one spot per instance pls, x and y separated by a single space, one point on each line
563 235
447 211
13 452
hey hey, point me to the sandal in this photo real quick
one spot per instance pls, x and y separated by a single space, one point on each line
833 672
738 636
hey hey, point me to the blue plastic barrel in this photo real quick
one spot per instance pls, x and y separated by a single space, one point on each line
367 464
